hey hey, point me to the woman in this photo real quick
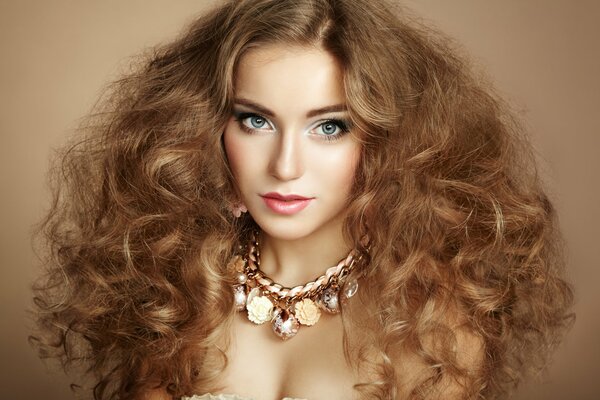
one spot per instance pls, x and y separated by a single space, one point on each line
312 199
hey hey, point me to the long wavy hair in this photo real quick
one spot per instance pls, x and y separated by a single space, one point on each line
465 256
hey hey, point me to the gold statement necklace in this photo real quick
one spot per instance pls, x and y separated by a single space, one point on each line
289 308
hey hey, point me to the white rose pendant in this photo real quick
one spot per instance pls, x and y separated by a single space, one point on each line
307 312
260 308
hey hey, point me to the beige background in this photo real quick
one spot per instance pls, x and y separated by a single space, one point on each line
56 55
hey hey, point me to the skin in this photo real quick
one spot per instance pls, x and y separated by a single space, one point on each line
290 134
287 135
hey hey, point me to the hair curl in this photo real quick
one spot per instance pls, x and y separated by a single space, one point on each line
463 237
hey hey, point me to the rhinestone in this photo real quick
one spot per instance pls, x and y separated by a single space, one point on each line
329 300
241 277
239 295
350 288
285 325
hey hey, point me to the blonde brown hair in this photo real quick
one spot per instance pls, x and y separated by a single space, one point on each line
463 238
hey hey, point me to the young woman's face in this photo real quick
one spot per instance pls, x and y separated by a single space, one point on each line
288 141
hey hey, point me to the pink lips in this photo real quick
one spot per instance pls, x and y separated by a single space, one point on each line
286 205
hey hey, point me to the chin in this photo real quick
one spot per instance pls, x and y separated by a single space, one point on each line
291 229
285 234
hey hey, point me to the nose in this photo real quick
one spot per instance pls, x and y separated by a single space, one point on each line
287 160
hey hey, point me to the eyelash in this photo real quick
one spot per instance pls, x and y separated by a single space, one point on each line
341 124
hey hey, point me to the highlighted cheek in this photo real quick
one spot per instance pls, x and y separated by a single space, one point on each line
234 153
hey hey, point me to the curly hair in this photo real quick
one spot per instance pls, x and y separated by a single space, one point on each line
464 241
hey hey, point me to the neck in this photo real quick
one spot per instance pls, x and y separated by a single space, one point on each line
295 262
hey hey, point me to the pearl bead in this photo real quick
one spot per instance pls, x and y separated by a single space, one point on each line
241 278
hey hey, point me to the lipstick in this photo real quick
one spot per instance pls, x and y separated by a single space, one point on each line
286 204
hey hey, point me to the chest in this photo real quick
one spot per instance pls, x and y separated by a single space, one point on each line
311 365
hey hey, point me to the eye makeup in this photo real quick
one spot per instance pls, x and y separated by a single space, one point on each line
340 126
252 123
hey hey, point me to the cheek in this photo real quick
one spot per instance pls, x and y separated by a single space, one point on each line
349 173
234 150
341 168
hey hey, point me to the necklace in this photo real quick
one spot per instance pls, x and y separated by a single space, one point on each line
289 308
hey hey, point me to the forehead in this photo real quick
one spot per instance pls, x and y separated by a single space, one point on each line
289 77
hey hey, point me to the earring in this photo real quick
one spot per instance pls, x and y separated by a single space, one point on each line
237 209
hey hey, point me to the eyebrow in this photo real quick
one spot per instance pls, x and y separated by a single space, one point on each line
268 113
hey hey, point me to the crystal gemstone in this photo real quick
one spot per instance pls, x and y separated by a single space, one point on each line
239 295
350 288
285 325
329 300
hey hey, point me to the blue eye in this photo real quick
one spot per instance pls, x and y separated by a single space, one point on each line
331 129
252 122
256 121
